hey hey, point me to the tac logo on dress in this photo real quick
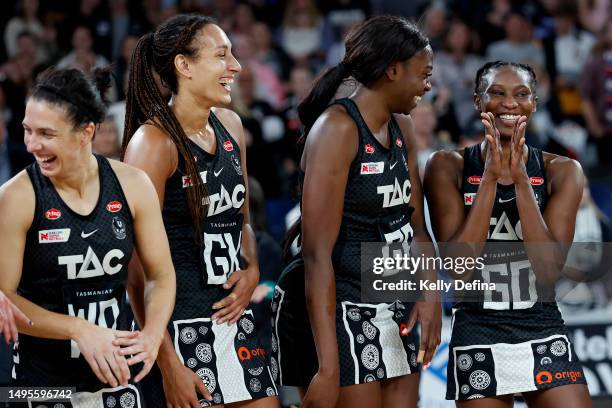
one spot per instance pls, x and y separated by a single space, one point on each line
54 235
114 206
228 146
53 214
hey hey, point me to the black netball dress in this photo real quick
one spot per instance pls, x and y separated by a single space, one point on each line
513 338
229 359
76 265
376 209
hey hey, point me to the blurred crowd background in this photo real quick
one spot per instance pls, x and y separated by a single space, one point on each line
284 45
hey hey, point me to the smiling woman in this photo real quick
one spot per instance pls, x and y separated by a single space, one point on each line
194 152
510 339
360 184
74 218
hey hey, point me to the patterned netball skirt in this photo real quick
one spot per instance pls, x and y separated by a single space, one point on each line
230 360
118 397
370 347
504 353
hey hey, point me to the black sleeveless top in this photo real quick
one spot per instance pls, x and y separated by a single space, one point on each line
202 269
508 266
75 265
375 201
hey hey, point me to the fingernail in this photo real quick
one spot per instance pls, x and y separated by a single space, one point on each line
31 323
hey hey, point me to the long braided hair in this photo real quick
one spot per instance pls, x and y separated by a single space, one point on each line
145 103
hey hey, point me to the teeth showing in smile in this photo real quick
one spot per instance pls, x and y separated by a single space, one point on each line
227 83
44 159
511 118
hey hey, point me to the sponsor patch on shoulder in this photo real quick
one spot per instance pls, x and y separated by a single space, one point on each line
372 168
468 198
53 214
474 179
114 206
54 235
536 181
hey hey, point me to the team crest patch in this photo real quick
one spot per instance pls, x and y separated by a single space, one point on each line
369 149
237 166
372 168
118 226
228 145
398 142
54 235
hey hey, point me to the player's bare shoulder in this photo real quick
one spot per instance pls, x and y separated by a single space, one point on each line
18 199
561 168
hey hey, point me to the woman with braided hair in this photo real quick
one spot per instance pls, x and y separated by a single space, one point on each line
194 152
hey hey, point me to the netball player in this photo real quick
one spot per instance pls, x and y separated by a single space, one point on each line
194 152
360 184
71 220
513 339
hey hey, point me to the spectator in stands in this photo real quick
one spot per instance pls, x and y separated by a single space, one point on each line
268 53
122 64
27 19
302 31
454 69
96 15
120 26
572 47
106 140
593 14
264 129
518 44
82 55
300 81
491 28
269 86
596 91
434 24
427 139
340 16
